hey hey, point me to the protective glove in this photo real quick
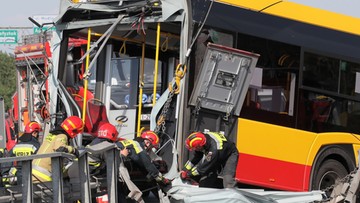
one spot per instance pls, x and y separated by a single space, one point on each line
76 152
62 149
184 174
166 181
162 181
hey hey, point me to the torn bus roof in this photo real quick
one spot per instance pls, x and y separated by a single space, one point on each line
86 14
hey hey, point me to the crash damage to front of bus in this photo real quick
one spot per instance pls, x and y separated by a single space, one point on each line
148 65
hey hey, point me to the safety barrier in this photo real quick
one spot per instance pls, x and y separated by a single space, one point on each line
80 180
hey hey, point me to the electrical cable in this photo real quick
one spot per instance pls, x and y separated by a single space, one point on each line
266 7
202 23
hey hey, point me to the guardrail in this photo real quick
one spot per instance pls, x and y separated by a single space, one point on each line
57 183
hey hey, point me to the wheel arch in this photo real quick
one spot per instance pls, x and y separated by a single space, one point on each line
343 153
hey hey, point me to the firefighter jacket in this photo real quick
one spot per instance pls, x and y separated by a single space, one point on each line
139 156
27 145
96 161
217 152
54 140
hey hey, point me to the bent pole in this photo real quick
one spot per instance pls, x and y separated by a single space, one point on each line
85 78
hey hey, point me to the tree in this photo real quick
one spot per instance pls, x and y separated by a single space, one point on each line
7 78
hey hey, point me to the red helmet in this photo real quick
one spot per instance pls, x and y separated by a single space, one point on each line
108 131
32 127
151 136
195 140
73 125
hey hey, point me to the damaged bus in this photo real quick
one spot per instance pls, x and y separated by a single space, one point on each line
285 89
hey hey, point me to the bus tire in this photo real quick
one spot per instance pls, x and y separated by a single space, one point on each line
329 172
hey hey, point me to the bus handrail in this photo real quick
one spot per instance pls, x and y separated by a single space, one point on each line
118 106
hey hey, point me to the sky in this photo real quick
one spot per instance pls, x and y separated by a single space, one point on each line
16 13
346 7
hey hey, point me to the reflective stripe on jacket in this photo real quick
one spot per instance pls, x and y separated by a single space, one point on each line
218 138
49 145
216 152
131 144
41 174
24 149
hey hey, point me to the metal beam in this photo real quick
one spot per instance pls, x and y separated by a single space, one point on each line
16 28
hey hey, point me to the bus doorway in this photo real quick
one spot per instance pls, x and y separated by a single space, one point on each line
120 92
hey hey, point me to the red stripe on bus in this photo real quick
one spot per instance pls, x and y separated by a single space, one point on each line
271 173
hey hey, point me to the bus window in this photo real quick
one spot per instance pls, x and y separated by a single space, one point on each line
270 90
320 72
330 74
328 100
92 79
271 96
149 72
349 74
321 113
124 83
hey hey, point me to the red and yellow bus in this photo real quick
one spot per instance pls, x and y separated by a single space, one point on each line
297 123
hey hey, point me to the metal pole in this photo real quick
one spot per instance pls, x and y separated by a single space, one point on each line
27 186
57 179
2 124
84 178
156 62
112 172
85 79
141 88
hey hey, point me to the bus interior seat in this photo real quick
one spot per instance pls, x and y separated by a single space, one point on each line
96 114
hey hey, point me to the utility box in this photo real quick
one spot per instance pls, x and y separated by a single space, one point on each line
224 79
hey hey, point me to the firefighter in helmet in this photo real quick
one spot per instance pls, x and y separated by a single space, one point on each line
27 145
56 141
220 156
138 153
106 133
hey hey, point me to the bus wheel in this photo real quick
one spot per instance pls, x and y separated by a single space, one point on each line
328 174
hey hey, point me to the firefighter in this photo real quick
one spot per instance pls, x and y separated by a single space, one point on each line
138 153
106 133
56 141
220 155
28 145
28 142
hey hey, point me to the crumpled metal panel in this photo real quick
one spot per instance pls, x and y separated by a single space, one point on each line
182 192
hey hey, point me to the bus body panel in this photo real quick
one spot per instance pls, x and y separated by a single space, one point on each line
267 158
324 17
272 173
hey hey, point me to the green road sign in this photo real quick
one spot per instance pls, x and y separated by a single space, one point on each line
8 36
37 29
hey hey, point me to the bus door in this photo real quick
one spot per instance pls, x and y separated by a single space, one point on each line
123 83
122 91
